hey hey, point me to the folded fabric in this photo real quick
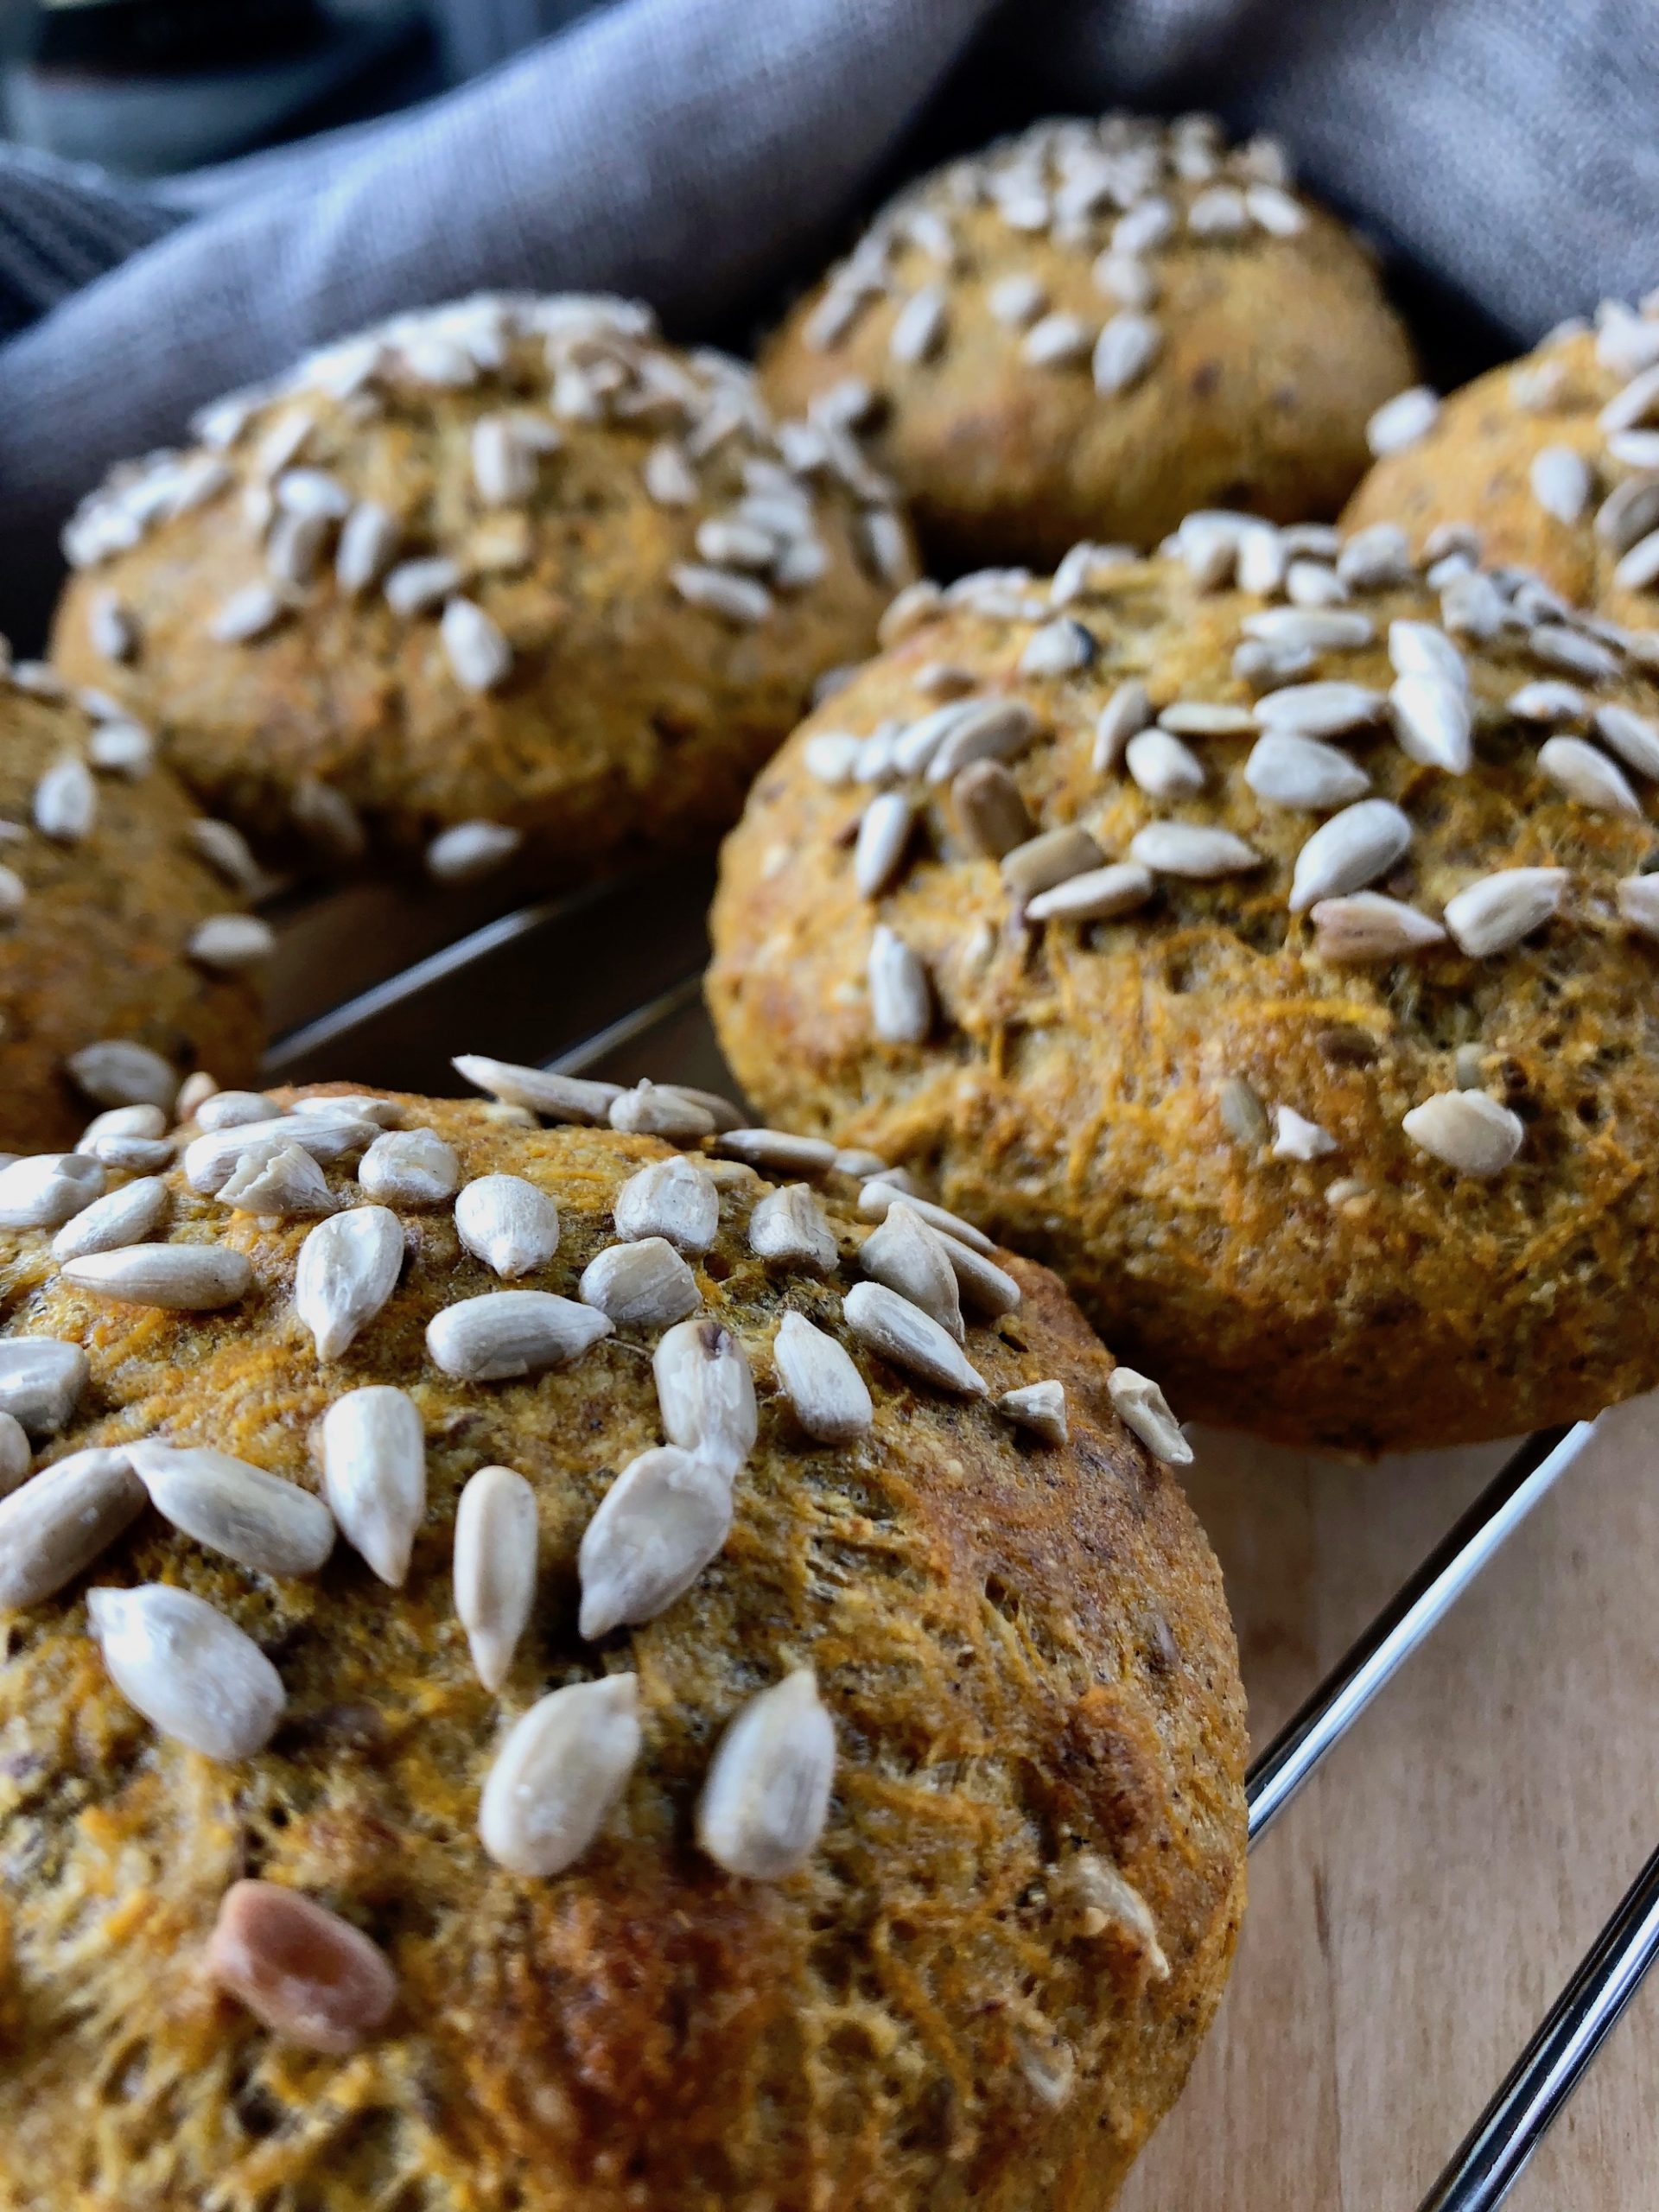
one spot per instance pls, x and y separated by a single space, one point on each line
693 151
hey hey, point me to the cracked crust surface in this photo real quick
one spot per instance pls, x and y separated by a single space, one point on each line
98 949
630 721
1274 351
1070 1096
1026 1652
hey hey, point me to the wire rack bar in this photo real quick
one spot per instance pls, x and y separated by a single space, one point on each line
1322 1722
1494 2154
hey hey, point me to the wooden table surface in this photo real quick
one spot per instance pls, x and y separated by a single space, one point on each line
1413 1914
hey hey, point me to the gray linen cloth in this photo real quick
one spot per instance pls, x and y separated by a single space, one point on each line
695 151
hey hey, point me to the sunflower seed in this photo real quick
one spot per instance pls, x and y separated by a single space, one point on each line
661 1110
883 834
1580 770
1039 1406
903 1334
504 1334
178 1278
1311 583
225 848
560 1774
479 654
295 548
1016 300
1638 902
1042 862
727 543
719 591
1560 646
1636 449
410 1167
556 1097
54 1526
664 1518
671 1199
1206 718
790 1225
706 1394
1549 700
983 1285
495 1569
1191 848
193 1674
1275 212
1243 1114
1377 558
1124 713
765 1803
416 587
468 851
264 1523
305 1973
906 1255
245 615
1423 650
1467 1130
135 1154
641 1285
1061 647
1629 513
374 1449
990 810
277 1181
228 943
909 610
110 631
312 492
778 1151
918 327
1633 405
1286 769
1122 277
193 1093
987 729
508 1223
1319 709
877 1196
42 1380
1102 1900
1496 911
826 1390
504 461
901 997
1125 350
1142 1407
1432 722
46 1189
1402 421
123 1217
368 545
720 1109
1349 851
1312 629
358 1105
668 478
1368 926
15 1456
1162 767
1057 341
65 805
1098 895
1561 483
328 821
116 1072
1639 567
347 1268
1297 1138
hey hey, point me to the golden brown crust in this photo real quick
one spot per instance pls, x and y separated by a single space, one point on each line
1274 351
1071 1096
99 946
1476 466
1025 1650
629 721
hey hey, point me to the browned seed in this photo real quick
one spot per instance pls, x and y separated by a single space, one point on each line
989 808
305 1973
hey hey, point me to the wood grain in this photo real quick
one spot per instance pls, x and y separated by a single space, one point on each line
1415 1912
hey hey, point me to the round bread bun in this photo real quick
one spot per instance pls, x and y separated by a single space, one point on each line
511 574
1549 463
1090 330
993 1834
1196 1087
127 958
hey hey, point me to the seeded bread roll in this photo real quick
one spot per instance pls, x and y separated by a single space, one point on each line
512 573
1090 329
127 959
1302 1024
892 1857
1551 462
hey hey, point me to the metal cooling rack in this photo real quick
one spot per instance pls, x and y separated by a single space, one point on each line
607 982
